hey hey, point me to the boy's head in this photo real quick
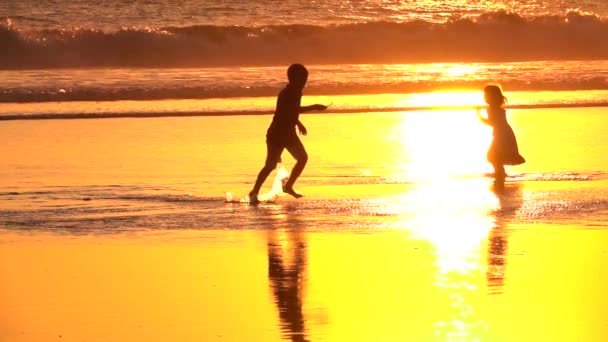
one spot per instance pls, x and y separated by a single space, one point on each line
493 95
297 75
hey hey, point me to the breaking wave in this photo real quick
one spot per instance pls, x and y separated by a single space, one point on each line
492 37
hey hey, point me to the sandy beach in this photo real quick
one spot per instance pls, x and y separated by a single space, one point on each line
117 230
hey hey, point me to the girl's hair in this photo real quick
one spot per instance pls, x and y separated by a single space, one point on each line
493 95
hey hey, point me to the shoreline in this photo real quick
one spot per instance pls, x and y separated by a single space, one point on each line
74 116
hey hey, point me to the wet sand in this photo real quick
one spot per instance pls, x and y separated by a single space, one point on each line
115 230
517 282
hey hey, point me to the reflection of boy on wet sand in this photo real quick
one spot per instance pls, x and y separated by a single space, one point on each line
282 132
286 281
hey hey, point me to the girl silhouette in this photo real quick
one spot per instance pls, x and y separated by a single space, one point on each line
503 150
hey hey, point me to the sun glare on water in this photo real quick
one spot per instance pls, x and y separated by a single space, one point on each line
444 152
442 144
447 99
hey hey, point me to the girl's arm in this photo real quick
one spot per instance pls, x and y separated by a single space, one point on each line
482 119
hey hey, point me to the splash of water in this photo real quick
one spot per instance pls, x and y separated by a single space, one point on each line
275 191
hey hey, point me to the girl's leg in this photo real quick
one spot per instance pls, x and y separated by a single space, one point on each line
499 172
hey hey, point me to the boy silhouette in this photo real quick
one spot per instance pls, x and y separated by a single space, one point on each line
282 132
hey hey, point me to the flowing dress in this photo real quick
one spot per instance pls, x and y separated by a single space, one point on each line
503 149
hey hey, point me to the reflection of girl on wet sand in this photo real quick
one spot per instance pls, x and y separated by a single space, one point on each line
510 201
503 150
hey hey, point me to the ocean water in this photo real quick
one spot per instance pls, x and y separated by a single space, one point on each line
116 14
78 51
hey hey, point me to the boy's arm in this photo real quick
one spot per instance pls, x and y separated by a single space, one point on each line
312 107
301 128
303 109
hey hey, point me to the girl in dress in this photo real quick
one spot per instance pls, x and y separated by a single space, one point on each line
503 150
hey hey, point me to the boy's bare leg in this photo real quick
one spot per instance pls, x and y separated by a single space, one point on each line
297 150
262 175
273 156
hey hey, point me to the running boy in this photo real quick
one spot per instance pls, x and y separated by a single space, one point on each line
282 132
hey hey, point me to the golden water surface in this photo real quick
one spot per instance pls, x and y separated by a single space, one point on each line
451 259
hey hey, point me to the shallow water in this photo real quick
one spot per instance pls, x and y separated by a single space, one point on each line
173 172
254 88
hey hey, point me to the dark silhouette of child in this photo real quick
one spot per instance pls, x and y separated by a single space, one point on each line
503 150
282 132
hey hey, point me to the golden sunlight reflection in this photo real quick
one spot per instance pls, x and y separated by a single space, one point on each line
447 98
427 276
453 216
450 208
442 144
461 70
